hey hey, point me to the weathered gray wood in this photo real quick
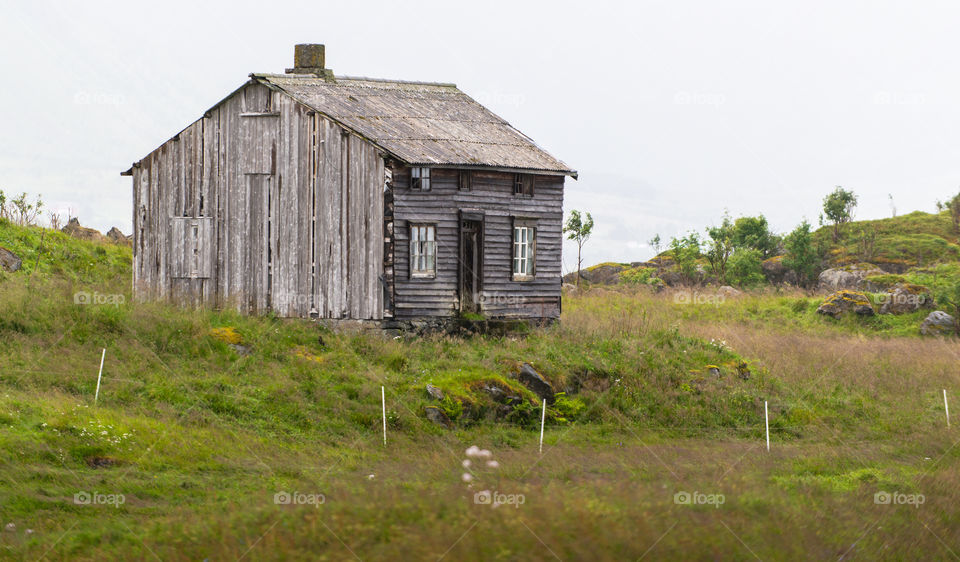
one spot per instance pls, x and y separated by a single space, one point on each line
293 213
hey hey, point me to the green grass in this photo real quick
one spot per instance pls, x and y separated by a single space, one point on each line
199 438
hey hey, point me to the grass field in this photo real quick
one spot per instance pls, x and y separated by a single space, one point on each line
194 447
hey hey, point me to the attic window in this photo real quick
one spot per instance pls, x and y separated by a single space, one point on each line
466 180
523 185
420 179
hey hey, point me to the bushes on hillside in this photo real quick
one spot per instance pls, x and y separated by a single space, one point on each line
801 255
744 268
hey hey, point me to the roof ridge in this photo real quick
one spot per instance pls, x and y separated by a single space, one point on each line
357 79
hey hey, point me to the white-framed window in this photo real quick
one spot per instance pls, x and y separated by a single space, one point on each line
420 179
524 250
423 250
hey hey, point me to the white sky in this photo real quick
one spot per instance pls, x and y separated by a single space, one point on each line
672 111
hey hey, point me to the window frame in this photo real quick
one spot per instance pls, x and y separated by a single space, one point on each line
465 180
523 185
423 253
530 225
420 178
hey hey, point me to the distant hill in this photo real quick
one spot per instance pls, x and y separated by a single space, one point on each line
896 245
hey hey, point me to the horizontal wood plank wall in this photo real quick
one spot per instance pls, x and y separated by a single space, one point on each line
492 193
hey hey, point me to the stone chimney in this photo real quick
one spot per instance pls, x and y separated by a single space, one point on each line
310 58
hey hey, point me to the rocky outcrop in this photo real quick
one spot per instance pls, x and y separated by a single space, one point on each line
844 301
434 392
904 298
938 323
850 278
114 235
777 273
9 261
437 416
533 380
74 229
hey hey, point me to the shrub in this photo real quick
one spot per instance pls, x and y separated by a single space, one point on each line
744 268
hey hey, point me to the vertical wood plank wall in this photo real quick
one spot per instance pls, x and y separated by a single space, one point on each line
296 203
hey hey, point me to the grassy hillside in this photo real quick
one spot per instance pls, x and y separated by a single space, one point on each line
661 397
917 239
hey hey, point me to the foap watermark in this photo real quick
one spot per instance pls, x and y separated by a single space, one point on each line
499 299
99 98
902 298
897 498
696 297
298 498
699 98
699 498
899 98
95 298
96 498
496 499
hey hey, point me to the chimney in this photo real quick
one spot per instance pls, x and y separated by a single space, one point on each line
310 58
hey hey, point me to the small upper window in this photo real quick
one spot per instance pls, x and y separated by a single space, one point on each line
420 179
523 185
466 180
524 250
423 250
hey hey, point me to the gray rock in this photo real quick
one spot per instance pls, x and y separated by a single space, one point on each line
531 379
904 298
9 261
846 301
938 323
715 371
437 416
240 349
851 277
434 392
727 292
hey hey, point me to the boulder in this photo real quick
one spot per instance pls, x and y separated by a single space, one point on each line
74 229
728 292
938 323
852 277
569 288
777 273
906 297
9 261
531 379
845 301
437 416
434 392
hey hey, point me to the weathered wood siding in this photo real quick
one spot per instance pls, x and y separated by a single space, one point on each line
292 210
492 193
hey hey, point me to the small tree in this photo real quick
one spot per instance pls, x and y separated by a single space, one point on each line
719 247
754 233
657 245
838 207
744 268
578 228
801 255
953 205
685 253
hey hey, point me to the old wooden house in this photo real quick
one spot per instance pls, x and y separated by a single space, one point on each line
314 195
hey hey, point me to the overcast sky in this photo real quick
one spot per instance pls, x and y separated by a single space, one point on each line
671 111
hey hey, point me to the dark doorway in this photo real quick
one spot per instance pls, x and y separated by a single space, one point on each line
471 264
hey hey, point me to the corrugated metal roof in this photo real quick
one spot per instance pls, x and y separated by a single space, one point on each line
419 123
